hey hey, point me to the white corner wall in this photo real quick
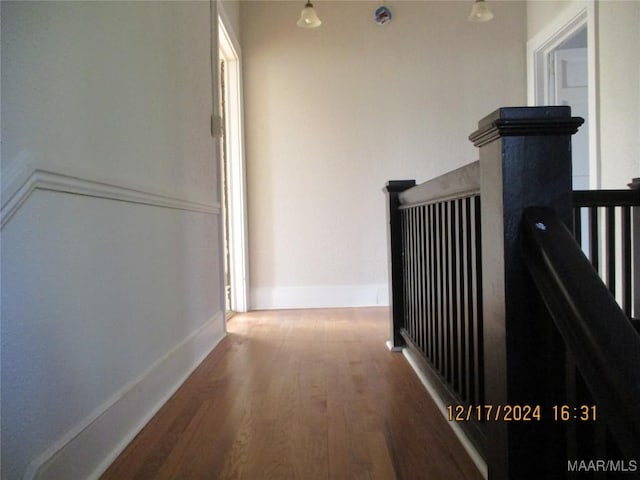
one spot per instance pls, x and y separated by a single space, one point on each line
619 94
541 13
110 288
333 113
230 11
618 72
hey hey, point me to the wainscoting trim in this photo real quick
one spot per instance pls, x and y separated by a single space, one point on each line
60 182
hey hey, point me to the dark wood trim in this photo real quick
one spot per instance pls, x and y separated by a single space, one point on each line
604 343
395 259
606 198
525 159
525 121
461 182
617 209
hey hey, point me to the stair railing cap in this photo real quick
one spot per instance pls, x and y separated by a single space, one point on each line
525 121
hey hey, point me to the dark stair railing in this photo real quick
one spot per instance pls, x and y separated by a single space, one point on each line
604 223
600 342
436 294
463 299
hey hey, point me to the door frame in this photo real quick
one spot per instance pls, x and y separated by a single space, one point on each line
573 18
229 51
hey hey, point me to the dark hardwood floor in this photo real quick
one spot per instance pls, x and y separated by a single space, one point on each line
299 394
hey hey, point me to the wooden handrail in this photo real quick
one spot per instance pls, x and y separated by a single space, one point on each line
605 345
618 212
469 221
606 198
462 182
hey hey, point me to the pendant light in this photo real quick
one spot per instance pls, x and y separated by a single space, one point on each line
309 17
480 12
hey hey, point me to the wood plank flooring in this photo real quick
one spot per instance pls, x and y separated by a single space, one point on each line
299 394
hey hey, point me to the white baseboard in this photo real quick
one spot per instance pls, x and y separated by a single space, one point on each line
88 449
471 450
319 296
393 348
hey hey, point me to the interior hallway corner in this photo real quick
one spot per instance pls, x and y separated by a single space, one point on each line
299 394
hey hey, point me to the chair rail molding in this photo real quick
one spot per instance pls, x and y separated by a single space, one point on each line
22 182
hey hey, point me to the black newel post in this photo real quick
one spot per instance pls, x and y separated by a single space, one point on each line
635 235
525 160
395 257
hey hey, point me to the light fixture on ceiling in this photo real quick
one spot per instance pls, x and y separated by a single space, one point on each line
309 17
480 12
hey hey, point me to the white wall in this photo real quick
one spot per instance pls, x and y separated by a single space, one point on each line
619 81
111 288
332 114
230 10
541 12
618 71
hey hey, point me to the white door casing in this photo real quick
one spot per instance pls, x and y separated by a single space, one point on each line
541 81
229 51
569 77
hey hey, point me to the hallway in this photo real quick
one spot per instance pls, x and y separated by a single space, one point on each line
299 394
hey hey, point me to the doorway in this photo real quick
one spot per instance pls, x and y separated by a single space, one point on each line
561 71
569 85
232 170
